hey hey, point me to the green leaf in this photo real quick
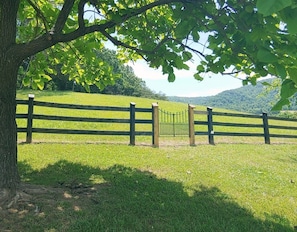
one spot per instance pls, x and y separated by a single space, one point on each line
266 56
288 88
195 35
279 105
293 74
200 68
171 77
87 87
179 64
187 56
34 85
46 77
26 81
40 85
198 77
245 82
268 7
182 29
281 71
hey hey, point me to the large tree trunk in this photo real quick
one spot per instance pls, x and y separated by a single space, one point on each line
9 64
8 134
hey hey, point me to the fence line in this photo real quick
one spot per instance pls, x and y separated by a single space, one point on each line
132 121
155 121
210 123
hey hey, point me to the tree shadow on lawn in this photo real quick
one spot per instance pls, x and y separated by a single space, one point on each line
126 199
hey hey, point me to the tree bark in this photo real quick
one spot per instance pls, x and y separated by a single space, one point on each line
8 134
9 64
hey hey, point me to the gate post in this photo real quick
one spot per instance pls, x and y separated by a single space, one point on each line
210 126
191 124
155 117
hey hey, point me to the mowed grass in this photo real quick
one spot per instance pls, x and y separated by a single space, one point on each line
236 185
227 187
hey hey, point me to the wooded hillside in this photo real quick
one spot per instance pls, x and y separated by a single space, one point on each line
254 99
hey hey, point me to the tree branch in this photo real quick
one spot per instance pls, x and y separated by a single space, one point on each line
81 6
232 73
120 43
47 40
190 48
63 15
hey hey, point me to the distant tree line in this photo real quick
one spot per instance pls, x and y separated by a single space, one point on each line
126 82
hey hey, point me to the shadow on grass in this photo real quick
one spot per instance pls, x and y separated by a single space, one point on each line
132 200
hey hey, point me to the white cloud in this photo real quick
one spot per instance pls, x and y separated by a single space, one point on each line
185 84
143 71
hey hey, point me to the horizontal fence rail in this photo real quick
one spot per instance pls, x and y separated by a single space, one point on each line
213 123
131 121
265 123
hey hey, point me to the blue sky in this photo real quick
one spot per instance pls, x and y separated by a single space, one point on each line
185 85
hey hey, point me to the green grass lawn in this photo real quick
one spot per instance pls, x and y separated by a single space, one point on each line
102 184
236 187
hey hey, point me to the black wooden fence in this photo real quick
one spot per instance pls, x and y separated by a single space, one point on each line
216 127
132 121
268 126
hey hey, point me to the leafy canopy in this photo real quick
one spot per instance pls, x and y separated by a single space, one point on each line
248 38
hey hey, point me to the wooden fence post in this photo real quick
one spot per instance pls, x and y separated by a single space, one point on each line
191 124
266 128
30 118
210 126
155 117
132 123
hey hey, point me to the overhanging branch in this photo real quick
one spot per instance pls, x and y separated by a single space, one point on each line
81 6
49 39
120 43
190 48
63 15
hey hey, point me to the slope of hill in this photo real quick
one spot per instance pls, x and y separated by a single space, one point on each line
245 99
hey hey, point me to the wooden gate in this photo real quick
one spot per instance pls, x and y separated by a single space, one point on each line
173 124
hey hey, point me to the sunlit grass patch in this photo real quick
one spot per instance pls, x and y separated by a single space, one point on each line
225 187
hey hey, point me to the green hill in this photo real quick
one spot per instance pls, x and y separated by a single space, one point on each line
245 99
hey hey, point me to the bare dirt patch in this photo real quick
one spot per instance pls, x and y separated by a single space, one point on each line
43 204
